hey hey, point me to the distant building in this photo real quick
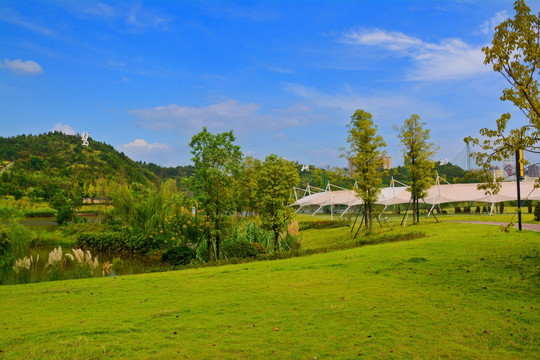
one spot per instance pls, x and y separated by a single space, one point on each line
532 171
387 164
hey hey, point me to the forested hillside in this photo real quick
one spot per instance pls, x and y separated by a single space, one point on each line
44 163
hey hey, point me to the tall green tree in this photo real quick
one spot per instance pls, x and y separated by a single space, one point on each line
217 161
417 153
246 186
365 154
515 54
275 182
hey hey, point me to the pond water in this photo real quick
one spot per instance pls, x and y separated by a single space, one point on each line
123 264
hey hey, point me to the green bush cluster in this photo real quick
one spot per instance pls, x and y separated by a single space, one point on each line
178 255
4 242
322 224
102 241
114 242
242 249
44 212
7 212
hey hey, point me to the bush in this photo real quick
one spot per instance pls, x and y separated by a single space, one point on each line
537 212
102 242
241 249
43 212
322 224
178 255
7 212
4 242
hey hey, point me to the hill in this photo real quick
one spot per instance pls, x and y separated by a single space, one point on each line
47 162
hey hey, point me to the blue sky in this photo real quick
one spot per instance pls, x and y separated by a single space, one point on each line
285 76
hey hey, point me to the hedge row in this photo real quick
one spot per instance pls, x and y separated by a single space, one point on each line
322 224
114 242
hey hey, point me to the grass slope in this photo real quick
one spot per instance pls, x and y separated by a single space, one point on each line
465 291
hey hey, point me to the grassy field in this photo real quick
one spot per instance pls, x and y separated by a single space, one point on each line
462 292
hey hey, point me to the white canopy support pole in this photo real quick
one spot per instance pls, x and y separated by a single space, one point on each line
383 210
316 210
430 210
347 209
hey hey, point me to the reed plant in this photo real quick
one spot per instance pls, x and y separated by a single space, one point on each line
26 269
56 264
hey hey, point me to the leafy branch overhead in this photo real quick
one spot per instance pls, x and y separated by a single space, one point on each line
515 54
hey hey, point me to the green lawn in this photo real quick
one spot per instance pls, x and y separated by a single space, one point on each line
463 292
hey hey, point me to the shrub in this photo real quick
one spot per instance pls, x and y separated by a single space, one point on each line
8 212
241 249
322 224
178 255
259 248
43 212
537 212
107 241
4 242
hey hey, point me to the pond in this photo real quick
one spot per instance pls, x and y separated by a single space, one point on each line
123 264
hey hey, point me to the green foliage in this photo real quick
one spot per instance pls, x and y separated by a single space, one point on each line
7 212
42 212
44 164
245 186
275 181
366 157
217 162
417 153
4 242
64 207
106 241
178 255
242 249
515 54
20 239
322 224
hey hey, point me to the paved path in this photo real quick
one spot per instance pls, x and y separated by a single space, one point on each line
7 167
532 227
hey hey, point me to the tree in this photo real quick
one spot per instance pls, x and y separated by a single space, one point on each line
216 160
515 54
246 185
275 181
417 153
366 157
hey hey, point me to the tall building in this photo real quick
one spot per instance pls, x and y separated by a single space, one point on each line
532 171
387 164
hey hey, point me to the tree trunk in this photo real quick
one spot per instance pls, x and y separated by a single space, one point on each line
217 247
209 247
414 209
276 241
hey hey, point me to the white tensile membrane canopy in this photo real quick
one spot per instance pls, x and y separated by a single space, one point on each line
437 194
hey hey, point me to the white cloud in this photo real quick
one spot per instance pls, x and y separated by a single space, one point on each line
448 59
142 145
141 150
228 115
64 128
385 107
488 26
19 66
